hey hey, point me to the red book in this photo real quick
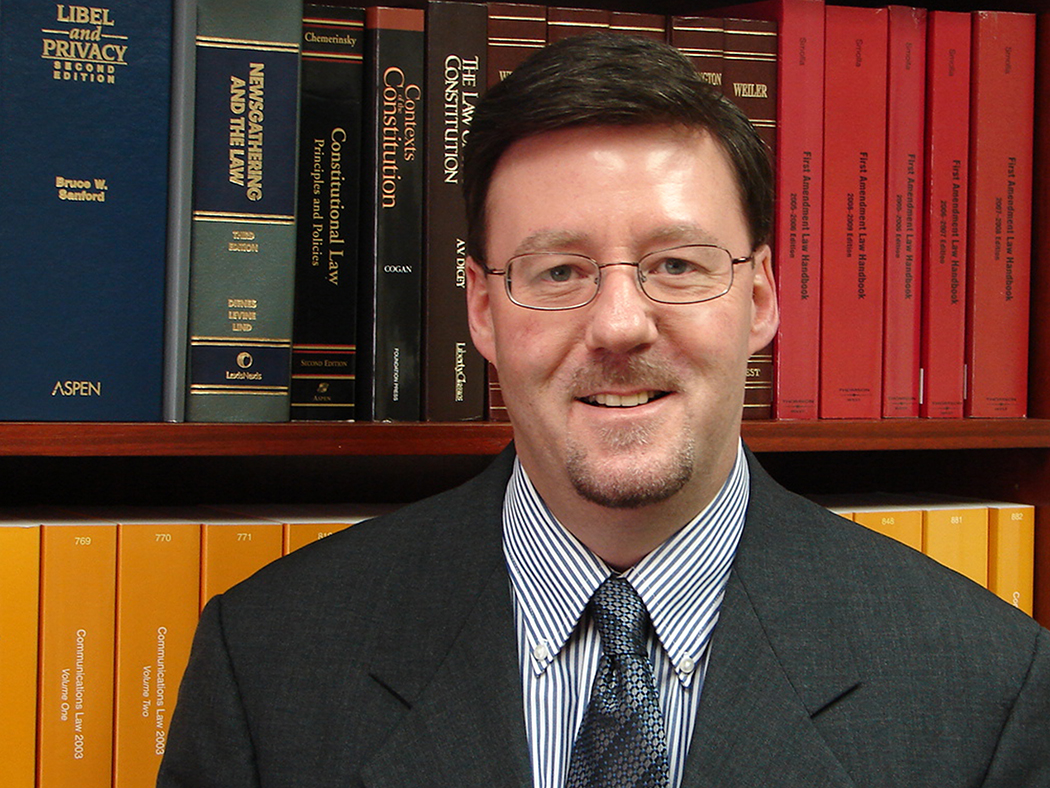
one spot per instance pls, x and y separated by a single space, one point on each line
1000 231
797 240
944 258
854 212
905 123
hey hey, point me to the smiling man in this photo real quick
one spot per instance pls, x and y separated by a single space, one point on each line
624 598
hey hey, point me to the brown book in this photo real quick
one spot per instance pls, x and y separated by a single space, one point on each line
701 39
567 22
749 79
516 30
652 26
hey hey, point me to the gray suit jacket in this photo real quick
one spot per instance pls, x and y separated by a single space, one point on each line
386 656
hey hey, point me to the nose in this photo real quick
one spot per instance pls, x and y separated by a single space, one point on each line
621 318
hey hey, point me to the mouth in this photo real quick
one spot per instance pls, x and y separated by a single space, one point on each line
623 400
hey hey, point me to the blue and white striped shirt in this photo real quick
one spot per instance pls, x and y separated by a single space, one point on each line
553 576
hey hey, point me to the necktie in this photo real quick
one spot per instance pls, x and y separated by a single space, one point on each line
621 742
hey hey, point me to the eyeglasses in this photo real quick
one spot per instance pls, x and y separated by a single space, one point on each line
553 281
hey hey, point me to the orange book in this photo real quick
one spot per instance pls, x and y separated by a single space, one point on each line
233 547
955 533
1011 549
77 596
898 522
158 584
306 523
19 617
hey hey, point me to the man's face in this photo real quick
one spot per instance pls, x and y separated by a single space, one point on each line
623 402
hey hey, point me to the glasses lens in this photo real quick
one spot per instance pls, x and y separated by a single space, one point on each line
686 274
552 281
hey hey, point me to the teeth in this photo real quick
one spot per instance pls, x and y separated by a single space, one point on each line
622 401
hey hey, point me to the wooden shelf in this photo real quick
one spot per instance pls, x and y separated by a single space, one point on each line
25 439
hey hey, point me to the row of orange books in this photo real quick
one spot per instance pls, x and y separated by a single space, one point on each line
990 542
97 615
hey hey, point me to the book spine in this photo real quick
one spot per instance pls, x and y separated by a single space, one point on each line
242 265
180 208
75 735
999 222
901 524
947 140
643 25
19 631
905 124
701 39
565 22
86 211
1011 549
390 326
515 31
232 549
854 208
456 63
749 79
324 333
957 537
158 565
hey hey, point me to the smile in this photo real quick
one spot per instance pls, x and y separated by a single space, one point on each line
623 400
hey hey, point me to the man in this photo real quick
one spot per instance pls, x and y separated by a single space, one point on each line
626 563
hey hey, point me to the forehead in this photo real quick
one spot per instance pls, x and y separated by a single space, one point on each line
591 187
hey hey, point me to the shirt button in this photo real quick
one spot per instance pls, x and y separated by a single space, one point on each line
540 652
688 666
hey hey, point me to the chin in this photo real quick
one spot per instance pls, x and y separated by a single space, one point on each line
630 481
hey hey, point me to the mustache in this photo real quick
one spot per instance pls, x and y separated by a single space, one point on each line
635 372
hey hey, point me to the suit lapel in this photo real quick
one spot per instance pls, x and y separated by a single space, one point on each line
464 725
779 659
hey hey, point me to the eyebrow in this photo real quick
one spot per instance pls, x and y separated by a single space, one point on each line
554 240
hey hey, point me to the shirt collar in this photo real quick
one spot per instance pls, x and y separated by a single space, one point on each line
681 582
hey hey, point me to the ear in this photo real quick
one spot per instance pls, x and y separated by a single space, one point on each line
765 313
479 310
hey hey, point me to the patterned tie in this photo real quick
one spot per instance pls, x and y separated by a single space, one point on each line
621 742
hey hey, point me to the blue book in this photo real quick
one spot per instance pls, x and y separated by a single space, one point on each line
84 119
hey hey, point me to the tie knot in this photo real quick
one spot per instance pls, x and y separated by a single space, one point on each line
621 617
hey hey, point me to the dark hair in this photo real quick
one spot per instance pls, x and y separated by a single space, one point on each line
608 79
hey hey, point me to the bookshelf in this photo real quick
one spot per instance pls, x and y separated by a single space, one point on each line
69 463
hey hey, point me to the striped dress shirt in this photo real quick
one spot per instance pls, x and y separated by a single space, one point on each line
553 576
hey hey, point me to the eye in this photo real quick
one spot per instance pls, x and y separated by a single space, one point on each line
561 273
674 266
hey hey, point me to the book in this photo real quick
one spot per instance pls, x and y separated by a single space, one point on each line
1011 548
905 126
324 330
157 598
853 215
390 318
701 39
515 31
75 170
456 65
242 265
749 79
899 522
303 524
999 222
955 533
19 630
643 25
565 22
947 141
180 208
797 238
233 547
77 602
